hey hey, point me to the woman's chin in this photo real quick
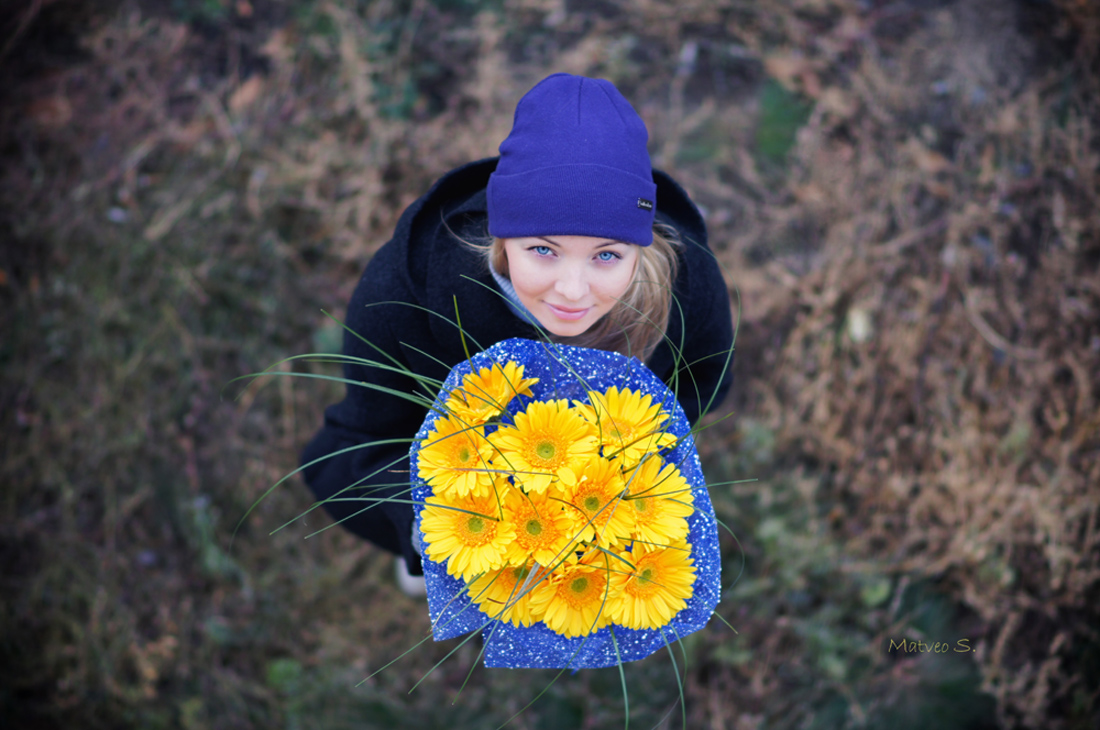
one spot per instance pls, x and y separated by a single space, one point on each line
560 331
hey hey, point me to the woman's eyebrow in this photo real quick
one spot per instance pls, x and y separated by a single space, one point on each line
601 244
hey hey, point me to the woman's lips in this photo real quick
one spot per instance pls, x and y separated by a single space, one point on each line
568 313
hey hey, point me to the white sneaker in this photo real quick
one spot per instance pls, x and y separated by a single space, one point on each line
411 585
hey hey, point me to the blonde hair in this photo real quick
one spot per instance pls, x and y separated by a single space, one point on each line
637 323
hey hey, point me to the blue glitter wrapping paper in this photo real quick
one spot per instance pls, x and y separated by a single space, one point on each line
568 372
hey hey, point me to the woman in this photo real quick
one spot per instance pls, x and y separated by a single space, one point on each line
586 245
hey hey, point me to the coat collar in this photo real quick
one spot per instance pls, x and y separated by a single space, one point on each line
452 274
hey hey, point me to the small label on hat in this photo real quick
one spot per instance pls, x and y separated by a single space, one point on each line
645 204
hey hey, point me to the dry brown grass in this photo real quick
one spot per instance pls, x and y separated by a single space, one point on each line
940 342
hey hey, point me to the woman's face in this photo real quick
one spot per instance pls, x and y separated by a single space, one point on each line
569 282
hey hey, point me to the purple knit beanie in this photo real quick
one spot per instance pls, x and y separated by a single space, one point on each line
574 164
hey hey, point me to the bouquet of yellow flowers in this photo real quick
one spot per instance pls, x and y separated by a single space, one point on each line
562 509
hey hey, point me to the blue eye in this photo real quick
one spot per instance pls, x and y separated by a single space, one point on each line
542 250
607 256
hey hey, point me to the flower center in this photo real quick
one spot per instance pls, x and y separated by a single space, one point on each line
591 503
464 454
545 450
579 585
534 527
641 504
475 524
645 583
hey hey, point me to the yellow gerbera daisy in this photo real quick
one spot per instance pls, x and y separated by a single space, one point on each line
484 394
661 500
455 459
548 442
658 587
597 500
505 594
572 600
628 423
467 532
544 529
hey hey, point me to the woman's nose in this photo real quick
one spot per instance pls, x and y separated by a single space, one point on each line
572 284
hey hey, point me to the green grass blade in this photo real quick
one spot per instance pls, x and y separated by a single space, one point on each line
622 679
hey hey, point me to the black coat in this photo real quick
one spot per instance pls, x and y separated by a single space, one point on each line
425 266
